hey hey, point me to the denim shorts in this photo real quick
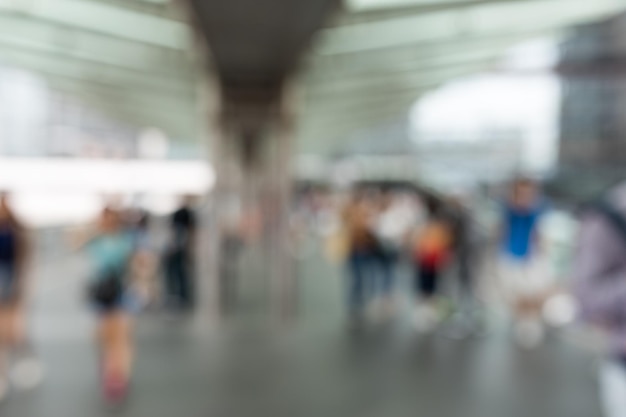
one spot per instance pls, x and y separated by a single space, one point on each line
8 287
129 303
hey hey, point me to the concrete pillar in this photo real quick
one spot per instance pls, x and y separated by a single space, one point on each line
251 265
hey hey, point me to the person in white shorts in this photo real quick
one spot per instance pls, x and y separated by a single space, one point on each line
522 278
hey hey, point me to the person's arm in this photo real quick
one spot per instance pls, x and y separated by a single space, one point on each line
600 273
193 228
80 238
501 227
23 262
539 242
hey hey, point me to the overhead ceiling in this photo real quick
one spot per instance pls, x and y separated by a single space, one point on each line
130 58
370 65
134 58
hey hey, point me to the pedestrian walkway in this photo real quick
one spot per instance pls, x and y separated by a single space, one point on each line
315 367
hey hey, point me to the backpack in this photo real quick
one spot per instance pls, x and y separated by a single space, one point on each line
108 290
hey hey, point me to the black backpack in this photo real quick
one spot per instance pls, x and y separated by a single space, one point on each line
108 290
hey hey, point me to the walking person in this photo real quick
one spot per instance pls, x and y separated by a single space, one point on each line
179 259
15 253
432 250
361 244
145 260
395 221
466 254
110 249
523 279
600 278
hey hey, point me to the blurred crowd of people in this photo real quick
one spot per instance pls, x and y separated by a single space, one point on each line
435 236
380 230
125 264
382 235
440 240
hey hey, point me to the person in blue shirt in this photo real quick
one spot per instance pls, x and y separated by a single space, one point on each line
522 279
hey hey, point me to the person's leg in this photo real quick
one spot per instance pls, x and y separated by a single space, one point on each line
426 314
179 278
122 349
143 268
417 287
465 300
4 351
428 283
529 329
17 328
117 352
388 270
513 283
6 339
357 266
27 372
369 266
613 388
466 283
417 281
461 322
176 279
387 265
186 284
9 326
170 279
232 247
153 286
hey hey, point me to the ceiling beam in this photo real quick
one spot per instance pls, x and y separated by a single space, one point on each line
347 131
364 85
346 106
413 55
163 9
180 107
356 117
22 31
331 142
475 20
401 107
366 10
107 76
400 70
105 19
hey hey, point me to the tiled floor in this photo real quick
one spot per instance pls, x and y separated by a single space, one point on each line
318 366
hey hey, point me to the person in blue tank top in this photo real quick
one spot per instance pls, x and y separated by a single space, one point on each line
110 250
520 230
523 282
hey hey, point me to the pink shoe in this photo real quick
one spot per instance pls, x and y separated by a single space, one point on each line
115 389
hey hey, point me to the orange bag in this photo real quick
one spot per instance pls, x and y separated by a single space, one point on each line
433 245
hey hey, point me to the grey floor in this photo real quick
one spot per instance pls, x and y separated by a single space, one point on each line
317 366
